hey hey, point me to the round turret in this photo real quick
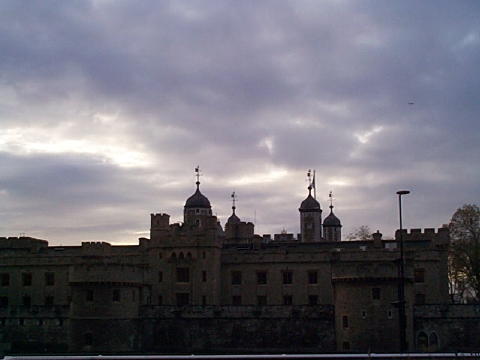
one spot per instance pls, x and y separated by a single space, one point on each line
310 218
332 227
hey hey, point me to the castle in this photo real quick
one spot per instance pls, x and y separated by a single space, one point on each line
199 287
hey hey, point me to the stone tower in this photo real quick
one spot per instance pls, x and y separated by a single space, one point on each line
310 218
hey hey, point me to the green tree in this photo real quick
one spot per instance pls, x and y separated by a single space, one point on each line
464 254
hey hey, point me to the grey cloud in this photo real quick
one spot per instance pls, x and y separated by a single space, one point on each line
206 82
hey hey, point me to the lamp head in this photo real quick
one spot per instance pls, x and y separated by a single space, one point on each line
403 192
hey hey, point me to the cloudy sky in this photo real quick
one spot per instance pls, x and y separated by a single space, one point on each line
107 106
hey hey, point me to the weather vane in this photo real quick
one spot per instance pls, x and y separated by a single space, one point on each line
197 174
330 195
309 177
234 198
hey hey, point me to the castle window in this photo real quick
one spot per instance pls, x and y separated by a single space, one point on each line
160 276
3 301
27 301
183 299
204 254
389 314
236 277
287 300
236 300
312 299
49 279
134 296
26 279
376 293
60 322
312 277
261 300
89 295
204 300
5 279
197 222
40 322
49 300
160 300
88 339
422 341
261 277
160 255
287 277
345 321
204 276
433 342
346 345
3 322
21 322
364 314
116 295
183 275
419 275
420 299
197 211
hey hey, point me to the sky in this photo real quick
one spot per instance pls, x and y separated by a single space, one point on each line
106 108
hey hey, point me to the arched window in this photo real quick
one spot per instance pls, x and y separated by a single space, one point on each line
174 256
422 342
433 342
181 256
189 256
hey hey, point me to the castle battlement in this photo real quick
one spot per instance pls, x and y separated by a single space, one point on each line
21 242
440 235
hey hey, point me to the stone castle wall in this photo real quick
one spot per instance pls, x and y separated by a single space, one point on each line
456 326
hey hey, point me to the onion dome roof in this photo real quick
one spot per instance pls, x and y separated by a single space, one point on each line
331 219
233 219
310 203
198 200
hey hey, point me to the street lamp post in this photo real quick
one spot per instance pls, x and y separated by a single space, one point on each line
402 321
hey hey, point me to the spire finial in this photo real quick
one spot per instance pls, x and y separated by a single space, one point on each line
197 174
311 183
234 198
330 195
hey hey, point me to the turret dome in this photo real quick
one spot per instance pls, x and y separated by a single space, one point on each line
197 200
309 203
233 219
331 219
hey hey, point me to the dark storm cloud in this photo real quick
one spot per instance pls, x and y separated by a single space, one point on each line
243 88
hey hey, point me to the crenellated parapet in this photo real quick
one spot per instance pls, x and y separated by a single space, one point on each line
93 248
439 237
22 242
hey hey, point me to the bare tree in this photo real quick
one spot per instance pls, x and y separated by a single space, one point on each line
362 232
464 254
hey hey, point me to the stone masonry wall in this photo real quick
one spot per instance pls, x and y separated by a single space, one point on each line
457 327
240 329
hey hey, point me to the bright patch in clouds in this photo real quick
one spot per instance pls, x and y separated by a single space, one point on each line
365 137
27 141
339 181
261 178
268 144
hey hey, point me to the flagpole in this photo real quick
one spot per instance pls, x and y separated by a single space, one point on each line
314 187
